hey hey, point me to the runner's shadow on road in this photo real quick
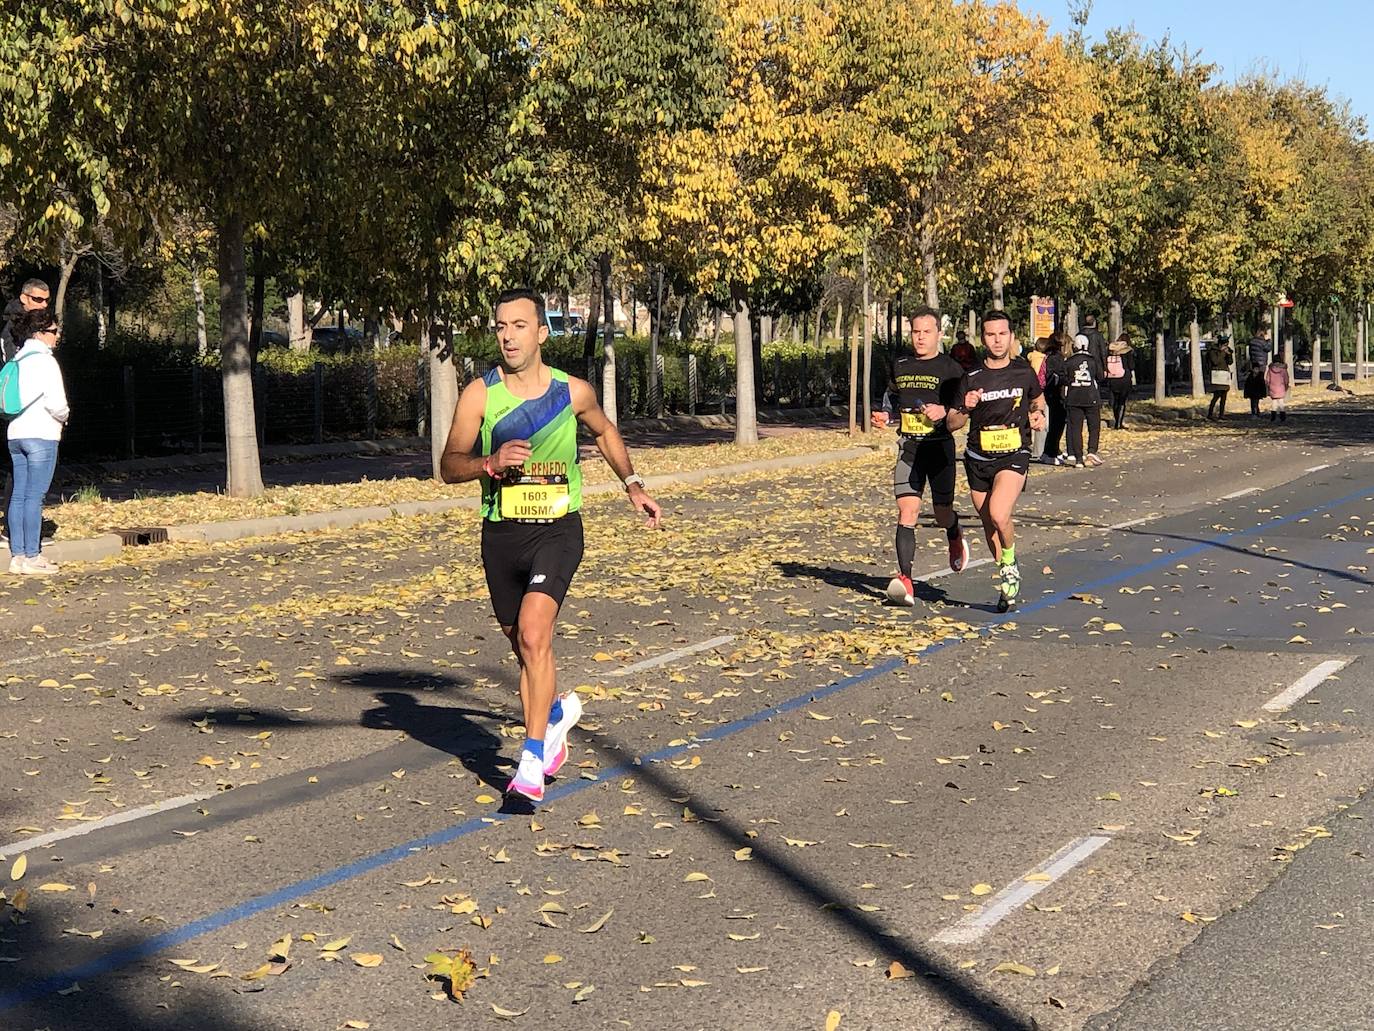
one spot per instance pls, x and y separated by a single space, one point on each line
870 587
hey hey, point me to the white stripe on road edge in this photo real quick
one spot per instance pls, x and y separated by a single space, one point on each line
114 819
1132 522
1020 891
663 660
1305 683
947 571
1317 468
1239 493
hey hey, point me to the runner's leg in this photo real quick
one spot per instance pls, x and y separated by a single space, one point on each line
908 514
533 639
980 505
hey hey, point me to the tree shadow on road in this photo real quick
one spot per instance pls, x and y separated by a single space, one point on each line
934 974
38 991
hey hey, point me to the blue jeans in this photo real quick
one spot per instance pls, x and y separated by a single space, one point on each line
34 463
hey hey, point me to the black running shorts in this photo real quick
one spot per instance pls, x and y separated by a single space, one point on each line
982 471
529 558
925 461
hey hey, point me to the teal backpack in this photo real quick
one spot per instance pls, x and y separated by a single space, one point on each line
11 406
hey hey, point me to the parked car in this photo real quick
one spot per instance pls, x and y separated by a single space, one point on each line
333 340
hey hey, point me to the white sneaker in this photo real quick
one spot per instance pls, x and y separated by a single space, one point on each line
556 737
1092 460
1071 462
529 777
17 564
41 565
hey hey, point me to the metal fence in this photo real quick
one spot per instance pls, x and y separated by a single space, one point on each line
142 411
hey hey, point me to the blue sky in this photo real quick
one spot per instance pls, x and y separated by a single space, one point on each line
1319 41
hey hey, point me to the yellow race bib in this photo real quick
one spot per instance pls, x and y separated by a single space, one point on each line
915 424
535 500
999 439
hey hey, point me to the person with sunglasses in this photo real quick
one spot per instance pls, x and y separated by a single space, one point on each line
33 437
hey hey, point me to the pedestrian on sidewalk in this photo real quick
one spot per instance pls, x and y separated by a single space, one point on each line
1057 417
1083 400
1036 357
1219 357
1120 377
33 437
963 352
1257 354
1097 343
33 296
1277 384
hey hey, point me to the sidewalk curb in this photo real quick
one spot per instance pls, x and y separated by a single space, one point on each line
88 549
343 518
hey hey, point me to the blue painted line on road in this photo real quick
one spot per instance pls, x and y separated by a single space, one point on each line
149 947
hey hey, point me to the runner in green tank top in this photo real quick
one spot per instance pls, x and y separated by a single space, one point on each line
515 429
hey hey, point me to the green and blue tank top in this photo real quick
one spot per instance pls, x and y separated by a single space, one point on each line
549 485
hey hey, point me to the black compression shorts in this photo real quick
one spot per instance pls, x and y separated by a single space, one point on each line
925 461
982 471
529 558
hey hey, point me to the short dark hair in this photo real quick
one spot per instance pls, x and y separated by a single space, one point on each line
995 316
35 284
1090 320
523 293
924 311
27 323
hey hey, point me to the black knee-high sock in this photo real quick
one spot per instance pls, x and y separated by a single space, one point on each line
952 530
906 548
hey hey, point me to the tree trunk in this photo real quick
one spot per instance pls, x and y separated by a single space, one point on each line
437 343
756 357
1287 348
655 388
715 330
854 381
59 301
1235 353
868 349
236 364
999 279
1316 375
1114 318
1195 356
746 414
198 289
839 321
820 313
298 332
1159 363
594 309
608 398
1336 347
973 327
255 315
1071 320
929 275
1360 343
101 336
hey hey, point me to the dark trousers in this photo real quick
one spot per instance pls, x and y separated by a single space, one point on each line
1077 417
1217 396
8 490
1057 418
1119 399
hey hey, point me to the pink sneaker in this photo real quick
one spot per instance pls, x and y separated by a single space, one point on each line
529 777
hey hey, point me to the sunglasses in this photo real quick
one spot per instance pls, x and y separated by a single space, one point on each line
42 298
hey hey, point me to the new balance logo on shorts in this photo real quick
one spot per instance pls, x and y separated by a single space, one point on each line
537 578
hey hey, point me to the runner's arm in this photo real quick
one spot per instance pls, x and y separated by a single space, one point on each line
611 445
459 463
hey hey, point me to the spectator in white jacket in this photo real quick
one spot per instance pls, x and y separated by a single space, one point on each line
33 438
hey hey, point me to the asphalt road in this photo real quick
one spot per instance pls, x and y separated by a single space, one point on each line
1082 814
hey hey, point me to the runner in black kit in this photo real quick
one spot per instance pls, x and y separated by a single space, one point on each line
1002 404
922 388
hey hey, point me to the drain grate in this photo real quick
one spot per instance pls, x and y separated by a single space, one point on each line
143 535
